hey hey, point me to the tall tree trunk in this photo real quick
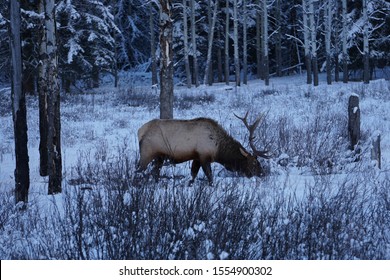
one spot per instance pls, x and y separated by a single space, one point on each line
366 51
344 40
193 39
42 93
336 65
210 45
259 52
306 37
336 44
210 78
235 38
219 59
166 72
278 44
244 44
19 115
328 37
313 33
153 44
53 98
115 66
95 76
265 43
185 42
28 83
227 31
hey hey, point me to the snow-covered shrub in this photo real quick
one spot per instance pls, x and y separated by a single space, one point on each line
186 101
319 142
332 218
136 97
5 103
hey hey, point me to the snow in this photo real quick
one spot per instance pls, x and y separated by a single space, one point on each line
101 126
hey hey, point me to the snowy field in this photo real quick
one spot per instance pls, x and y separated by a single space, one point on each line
319 200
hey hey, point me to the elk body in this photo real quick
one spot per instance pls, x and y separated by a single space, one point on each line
201 140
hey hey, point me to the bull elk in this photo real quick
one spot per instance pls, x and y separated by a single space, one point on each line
201 140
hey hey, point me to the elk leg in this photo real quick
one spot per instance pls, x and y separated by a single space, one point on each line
206 167
157 164
143 163
194 169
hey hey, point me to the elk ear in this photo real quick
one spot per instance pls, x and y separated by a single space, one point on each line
242 151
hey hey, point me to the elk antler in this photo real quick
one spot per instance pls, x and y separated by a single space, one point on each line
251 128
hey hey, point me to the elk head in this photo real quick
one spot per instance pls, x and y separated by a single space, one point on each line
253 167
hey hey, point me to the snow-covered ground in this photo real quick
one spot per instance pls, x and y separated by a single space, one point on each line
304 128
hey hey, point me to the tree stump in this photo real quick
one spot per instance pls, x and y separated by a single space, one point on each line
353 120
376 148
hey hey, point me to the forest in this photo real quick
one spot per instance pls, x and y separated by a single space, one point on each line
79 78
253 37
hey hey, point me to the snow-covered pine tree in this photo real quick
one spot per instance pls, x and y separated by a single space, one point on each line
134 36
87 42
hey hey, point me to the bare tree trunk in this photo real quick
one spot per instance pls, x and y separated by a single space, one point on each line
95 76
328 37
166 73
210 78
19 115
313 32
259 52
193 39
227 31
115 66
210 45
344 40
53 98
306 36
265 43
185 39
219 59
235 39
278 44
42 92
153 44
366 51
245 44
336 44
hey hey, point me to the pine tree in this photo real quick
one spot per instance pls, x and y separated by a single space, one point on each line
86 30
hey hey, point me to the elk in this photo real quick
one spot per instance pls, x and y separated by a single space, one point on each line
201 140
